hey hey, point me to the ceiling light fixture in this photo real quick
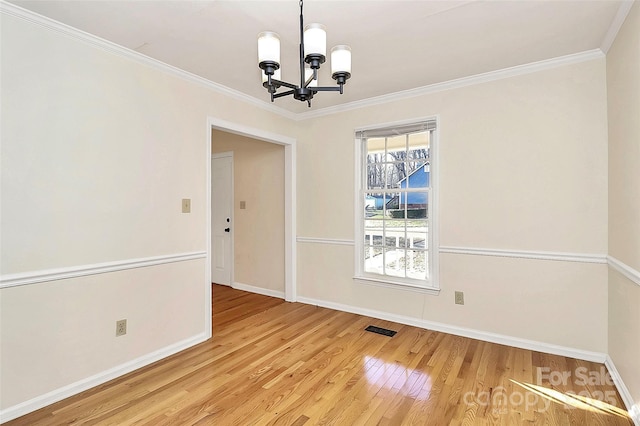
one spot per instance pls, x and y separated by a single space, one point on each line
314 55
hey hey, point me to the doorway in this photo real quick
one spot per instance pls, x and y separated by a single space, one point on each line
289 145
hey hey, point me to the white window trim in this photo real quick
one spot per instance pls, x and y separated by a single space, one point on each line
433 285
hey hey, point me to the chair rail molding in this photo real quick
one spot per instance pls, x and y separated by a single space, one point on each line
35 277
632 274
522 254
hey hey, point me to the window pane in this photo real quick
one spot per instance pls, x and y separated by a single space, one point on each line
373 206
419 178
375 145
397 143
396 156
391 202
398 213
374 224
393 237
416 204
418 145
404 242
417 264
394 262
373 260
374 237
416 238
375 176
373 233
418 153
395 174
412 166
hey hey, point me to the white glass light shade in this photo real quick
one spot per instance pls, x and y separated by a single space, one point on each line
268 47
341 59
315 40
276 75
308 72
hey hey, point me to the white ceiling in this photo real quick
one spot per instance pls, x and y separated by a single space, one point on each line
397 45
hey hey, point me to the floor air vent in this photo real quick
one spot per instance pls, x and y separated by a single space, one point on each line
380 330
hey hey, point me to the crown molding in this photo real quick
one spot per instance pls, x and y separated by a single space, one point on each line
108 46
532 67
616 24
50 24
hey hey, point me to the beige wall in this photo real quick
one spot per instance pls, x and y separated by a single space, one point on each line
521 168
98 150
258 173
623 86
97 153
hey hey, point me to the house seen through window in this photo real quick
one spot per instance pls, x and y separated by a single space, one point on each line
396 204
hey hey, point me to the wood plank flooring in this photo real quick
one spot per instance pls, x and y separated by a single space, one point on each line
277 363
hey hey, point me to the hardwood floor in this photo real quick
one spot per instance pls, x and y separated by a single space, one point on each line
277 363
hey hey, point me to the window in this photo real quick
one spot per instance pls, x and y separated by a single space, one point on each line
396 204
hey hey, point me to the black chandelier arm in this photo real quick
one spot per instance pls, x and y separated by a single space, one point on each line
326 89
311 78
329 89
281 94
283 83
313 90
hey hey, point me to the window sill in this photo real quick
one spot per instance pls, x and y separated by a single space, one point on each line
398 285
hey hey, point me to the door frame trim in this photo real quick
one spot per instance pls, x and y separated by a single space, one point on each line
290 257
228 154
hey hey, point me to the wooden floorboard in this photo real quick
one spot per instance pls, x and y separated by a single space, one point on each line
276 363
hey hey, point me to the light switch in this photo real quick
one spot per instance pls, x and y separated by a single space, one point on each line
186 205
243 205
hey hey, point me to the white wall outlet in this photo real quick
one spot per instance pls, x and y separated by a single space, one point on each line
121 327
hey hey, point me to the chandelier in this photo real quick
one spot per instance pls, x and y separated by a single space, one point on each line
313 54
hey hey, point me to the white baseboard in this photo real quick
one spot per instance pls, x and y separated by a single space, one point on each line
632 407
97 379
634 412
463 331
259 290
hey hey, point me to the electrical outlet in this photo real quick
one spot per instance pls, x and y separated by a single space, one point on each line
459 298
186 205
121 327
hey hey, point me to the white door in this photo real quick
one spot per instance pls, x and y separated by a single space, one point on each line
221 218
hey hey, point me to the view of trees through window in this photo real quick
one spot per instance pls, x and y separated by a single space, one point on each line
396 195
